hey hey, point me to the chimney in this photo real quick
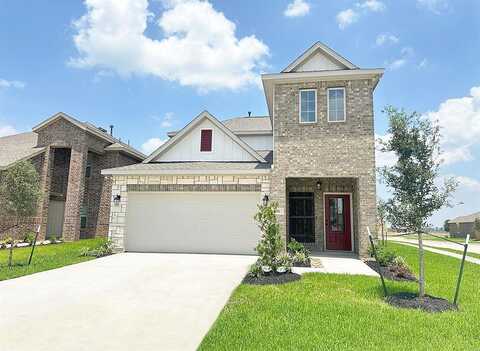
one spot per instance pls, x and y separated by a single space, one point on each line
249 113
111 129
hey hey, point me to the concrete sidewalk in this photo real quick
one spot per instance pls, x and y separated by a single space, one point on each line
128 301
442 252
472 246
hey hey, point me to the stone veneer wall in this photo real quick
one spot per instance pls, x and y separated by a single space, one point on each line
324 149
118 213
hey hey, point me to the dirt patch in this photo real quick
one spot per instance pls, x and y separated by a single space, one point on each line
272 279
427 304
393 272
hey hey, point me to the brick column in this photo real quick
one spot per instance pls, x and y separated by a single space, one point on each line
45 181
75 190
278 194
366 200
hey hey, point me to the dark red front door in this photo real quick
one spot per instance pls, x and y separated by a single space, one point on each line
338 222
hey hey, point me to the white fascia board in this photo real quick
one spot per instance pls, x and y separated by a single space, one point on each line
114 171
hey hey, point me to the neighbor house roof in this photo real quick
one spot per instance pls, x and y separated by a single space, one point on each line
190 126
466 219
116 144
18 147
245 125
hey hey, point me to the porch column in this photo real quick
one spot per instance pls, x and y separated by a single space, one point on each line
278 194
45 184
75 192
366 207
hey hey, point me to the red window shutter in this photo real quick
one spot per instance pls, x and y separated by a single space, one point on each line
206 140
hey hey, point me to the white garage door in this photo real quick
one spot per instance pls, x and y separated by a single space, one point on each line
200 222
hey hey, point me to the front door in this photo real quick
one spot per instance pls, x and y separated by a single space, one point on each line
301 219
338 222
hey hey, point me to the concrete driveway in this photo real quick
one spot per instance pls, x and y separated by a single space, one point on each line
130 301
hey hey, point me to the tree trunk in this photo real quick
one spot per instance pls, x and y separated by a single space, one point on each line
10 253
421 278
383 235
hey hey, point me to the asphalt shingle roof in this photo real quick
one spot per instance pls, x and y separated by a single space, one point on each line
465 219
17 147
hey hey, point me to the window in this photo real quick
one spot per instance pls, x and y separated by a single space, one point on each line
83 217
308 106
88 171
301 220
336 104
206 140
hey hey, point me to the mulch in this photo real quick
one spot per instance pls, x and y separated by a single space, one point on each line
428 303
392 272
270 279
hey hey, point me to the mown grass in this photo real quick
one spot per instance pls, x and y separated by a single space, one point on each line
339 312
44 258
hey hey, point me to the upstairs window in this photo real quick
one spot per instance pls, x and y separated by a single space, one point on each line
206 140
336 104
88 171
308 106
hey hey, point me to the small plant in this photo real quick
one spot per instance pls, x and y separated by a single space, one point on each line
103 250
301 259
283 263
255 270
271 244
299 254
29 238
384 257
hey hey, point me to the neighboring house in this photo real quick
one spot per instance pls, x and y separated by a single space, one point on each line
68 156
314 155
459 227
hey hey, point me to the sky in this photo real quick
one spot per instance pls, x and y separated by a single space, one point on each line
149 67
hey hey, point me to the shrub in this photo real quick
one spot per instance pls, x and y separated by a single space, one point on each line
270 245
255 270
298 252
300 258
284 260
384 257
29 237
104 249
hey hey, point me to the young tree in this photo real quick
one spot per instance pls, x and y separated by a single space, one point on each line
382 216
20 192
270 244
412 180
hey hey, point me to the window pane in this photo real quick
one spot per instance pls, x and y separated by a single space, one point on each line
307 106
336 105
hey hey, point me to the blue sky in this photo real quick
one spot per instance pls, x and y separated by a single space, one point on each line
149 67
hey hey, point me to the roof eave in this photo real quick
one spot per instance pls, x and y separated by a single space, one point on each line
114 171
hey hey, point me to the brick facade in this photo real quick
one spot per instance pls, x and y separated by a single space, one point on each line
122 184
61 167
327 150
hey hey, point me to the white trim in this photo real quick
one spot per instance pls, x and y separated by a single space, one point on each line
325 224
318 46
204 115
344 104
113 171
211 142
300 106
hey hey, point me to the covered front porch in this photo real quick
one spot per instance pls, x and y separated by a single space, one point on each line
322 213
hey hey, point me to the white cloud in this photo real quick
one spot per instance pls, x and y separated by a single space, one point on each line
346 18
406 54
11 84
297 8
386 38
459 120
435 6
423 64
199 47
7 130
349 16
373 5
469 183
151 145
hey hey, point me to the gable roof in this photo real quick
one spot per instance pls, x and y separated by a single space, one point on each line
466 219
319 48
18 147
249 125
202 116
116 144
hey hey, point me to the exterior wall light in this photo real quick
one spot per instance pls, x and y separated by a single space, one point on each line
265 200
116 199
319 185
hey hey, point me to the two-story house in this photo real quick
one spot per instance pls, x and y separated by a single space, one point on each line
314 155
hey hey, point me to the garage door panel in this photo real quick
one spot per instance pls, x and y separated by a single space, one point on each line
220 222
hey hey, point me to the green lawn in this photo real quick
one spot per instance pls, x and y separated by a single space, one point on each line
338 312
45 257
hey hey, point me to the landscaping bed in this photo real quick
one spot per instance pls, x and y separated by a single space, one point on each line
271 279
392 272
427 304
